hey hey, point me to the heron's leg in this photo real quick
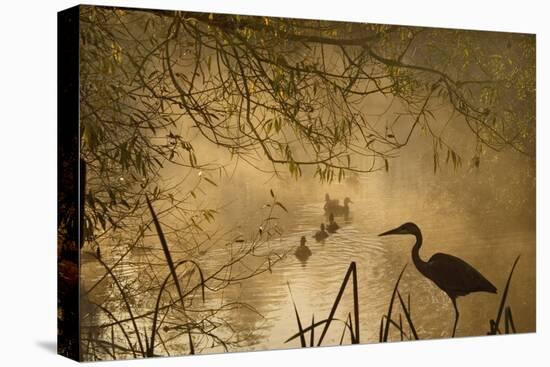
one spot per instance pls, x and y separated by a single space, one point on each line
456 316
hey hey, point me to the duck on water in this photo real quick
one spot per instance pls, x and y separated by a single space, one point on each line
339 210
330 203
321 234
302 252
332 226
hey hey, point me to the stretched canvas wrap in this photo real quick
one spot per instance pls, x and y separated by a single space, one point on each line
237 183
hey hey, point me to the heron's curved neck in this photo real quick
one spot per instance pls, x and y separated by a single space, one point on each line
418 262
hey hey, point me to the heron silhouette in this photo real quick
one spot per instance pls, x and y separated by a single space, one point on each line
452 275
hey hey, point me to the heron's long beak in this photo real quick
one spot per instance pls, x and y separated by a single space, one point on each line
390 232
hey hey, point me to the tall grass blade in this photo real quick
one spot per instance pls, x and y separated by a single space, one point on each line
312 334
119 324
165 249
170 263
191 346
351 332
390 307
300 329
349 327
308 329
113 340
408 314
509 320
355 306
354 330
146 339
381 329
150 350
401 327
343 334
351 269
126 303
396 326
164 346
495 326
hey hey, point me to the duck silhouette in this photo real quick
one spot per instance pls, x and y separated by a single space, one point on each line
321 234
332 226
330 203
303 252
339 210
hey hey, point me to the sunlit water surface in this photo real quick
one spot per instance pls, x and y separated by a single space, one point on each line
486 239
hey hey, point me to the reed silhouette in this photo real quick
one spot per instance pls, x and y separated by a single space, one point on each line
351 324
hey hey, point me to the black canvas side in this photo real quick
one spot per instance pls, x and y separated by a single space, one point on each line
68 178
